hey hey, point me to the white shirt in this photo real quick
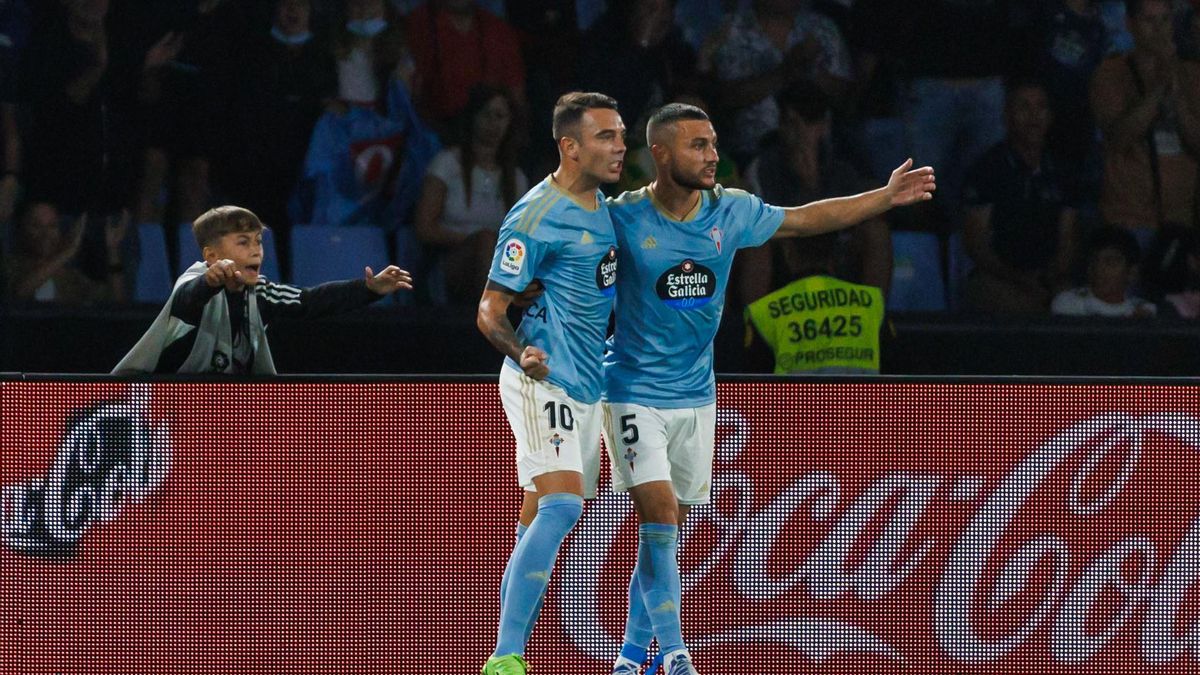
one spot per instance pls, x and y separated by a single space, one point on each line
1081 302
487 208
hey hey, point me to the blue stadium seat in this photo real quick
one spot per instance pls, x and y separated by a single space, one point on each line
152 280
189 252
917 283
323 253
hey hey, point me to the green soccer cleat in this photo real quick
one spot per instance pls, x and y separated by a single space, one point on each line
505 665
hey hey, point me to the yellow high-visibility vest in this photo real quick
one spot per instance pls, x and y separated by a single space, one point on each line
820 324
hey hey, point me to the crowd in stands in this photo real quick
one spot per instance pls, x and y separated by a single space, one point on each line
1065 135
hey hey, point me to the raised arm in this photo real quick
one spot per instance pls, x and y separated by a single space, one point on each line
492 320
906 186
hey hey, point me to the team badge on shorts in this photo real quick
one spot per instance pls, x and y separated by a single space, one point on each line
630 455
513 257
220 361
556 441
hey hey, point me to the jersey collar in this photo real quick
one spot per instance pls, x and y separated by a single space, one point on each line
594 206
688 217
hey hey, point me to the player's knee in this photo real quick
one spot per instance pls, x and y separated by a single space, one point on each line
663 514
561 510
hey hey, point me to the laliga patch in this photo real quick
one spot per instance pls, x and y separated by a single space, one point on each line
512 258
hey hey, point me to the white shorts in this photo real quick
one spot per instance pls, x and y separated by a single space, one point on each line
554 432
652 444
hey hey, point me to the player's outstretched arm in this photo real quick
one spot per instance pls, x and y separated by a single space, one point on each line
906 186
389 280
492 320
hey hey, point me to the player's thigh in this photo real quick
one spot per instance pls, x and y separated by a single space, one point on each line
553 432
691 440
636 438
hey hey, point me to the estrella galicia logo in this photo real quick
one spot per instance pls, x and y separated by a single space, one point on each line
111 455
688 285
606 273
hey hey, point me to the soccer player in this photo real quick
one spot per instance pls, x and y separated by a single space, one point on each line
561 233
676 242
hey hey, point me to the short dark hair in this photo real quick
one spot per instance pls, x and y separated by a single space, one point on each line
670 114
570 109
1120 239
806 99
216 223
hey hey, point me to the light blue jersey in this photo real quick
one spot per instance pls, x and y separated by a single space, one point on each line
572 249
672 290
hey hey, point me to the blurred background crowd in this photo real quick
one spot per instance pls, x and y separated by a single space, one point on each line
1065 135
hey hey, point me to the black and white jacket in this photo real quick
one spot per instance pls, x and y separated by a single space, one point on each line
212 330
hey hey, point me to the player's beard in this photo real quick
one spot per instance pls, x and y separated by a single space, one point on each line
690 182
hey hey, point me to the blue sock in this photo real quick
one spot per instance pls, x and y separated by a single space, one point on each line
521 529
531 563
658 575
638 631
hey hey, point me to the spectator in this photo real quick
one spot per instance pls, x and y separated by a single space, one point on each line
368 152
760 50
286 79
819 323
636 55
41 268
550 43
1070 42
468 189
956 55
457 45
183 95
801 168
371 49
67 89
1021 221
1112 265
14 31
1146 104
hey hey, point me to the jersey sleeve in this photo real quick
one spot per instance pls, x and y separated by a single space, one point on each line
521 246
759 220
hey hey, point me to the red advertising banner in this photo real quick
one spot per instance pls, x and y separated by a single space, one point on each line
362 526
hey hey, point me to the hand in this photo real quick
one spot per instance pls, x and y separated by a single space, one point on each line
224 273
533 362
908 185
115 230
532 292
389 280
164 51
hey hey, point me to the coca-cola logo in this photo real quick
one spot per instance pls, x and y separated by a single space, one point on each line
111 455
869 546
